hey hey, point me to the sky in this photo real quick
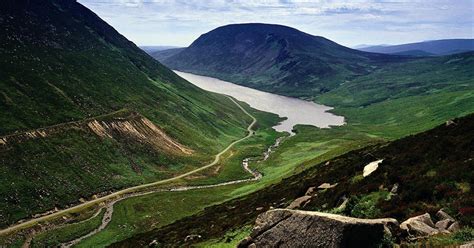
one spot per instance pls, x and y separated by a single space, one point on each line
350 23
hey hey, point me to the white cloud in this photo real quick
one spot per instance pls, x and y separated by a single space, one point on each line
179 22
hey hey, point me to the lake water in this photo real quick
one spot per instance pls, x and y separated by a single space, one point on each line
296 111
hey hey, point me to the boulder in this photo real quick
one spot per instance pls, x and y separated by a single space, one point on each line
444 216
394 189
295 228
454 227
310 191
327 186
419 226
443 224
299 202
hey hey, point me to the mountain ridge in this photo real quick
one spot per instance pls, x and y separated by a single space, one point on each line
275 58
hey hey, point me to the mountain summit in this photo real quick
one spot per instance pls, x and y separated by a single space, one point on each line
274 58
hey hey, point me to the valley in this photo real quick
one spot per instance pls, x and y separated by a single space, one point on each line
104 145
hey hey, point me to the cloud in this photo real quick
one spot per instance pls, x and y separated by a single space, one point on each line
179 22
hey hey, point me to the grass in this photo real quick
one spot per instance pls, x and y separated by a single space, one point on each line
229 239
460 237
54 238
366 206
140 214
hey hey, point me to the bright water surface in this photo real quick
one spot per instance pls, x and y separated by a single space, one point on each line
296 111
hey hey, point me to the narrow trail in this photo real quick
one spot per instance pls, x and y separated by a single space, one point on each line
130 192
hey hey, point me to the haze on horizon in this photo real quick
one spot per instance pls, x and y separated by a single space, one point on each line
350 23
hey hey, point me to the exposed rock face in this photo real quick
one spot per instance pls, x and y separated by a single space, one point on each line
127 125
293 228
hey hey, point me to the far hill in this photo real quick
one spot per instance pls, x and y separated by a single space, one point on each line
152 49
275 58
164 54
433 47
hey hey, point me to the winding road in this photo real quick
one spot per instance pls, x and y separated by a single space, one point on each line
130 192
109 209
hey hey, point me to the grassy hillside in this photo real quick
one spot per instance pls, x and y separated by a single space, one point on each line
275 58
431 169
64 68
407 98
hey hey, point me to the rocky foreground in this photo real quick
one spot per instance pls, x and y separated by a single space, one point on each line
296 228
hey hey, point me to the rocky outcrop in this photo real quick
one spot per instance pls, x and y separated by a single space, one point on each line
423 226
419 226
294 228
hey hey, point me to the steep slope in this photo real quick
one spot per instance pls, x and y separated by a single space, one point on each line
275 58
431 170
434 47
85 111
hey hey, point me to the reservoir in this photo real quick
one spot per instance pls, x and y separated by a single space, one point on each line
296 111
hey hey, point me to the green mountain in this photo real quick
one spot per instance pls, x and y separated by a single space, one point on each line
275 58
419 173
85 111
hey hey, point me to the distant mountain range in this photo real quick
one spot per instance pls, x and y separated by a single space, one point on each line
152 49
424 48
274 58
